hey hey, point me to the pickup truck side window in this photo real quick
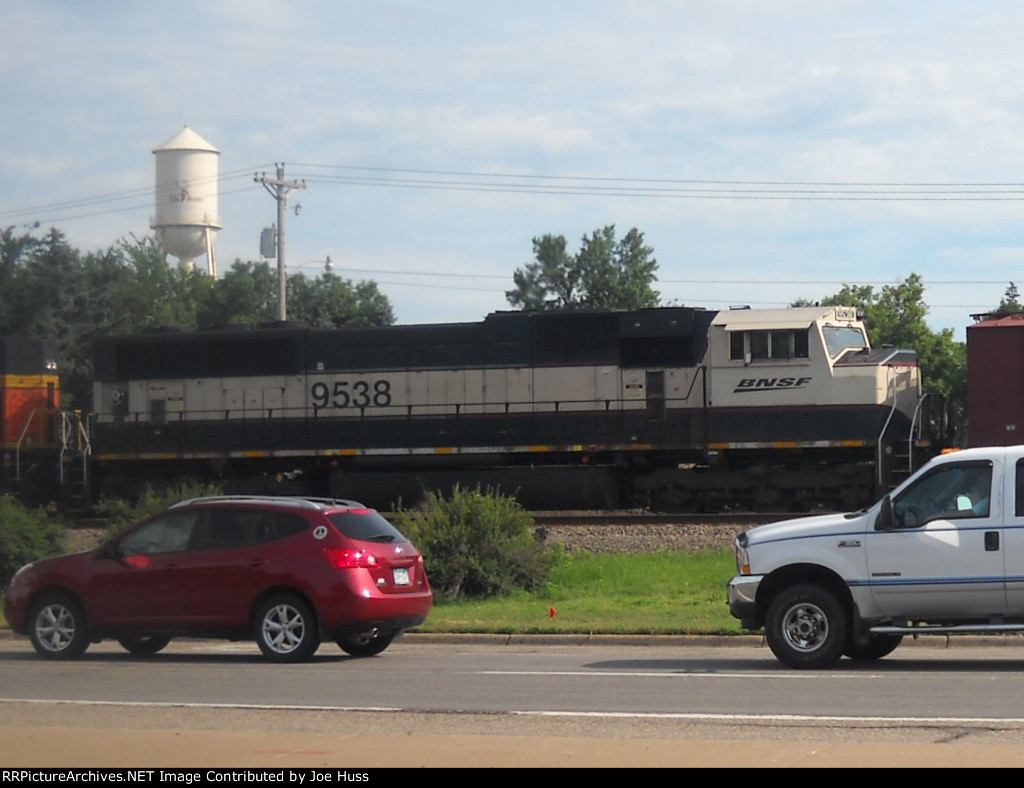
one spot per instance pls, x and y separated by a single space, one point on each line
1018 491
950 492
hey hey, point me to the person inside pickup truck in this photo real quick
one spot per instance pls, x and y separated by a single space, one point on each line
976 499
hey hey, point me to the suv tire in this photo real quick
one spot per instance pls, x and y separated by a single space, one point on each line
143 645
56 625
363 645
286 629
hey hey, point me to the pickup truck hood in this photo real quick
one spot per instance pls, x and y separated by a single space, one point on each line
804 527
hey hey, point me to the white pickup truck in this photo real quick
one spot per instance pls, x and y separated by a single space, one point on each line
942 553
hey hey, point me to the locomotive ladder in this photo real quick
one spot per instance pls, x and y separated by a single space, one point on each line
916 427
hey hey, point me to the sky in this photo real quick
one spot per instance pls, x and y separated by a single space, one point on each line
767 151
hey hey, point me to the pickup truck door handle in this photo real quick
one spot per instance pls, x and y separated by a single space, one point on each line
991 540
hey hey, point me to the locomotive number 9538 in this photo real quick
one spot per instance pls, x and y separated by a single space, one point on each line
343 394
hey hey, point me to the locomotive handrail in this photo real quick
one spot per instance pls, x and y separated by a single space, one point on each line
917 423
21 440
879 476
73 429
69 427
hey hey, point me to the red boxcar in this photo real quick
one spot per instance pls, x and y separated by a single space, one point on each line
995 386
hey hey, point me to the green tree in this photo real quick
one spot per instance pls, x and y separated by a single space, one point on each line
13 251
153 294
245 296
332 302
46 280
52 291
1010 305
605 273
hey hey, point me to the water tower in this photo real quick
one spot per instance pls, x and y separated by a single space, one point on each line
186 219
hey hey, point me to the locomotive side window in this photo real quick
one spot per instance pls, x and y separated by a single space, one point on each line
758 344
736 349
763 345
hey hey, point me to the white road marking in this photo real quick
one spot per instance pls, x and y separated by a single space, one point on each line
681 674
687 716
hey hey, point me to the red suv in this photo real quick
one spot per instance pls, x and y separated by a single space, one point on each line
288 572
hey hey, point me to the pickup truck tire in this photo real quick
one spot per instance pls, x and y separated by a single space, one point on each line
806 627
879 646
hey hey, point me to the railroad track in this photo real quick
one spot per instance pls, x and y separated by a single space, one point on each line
593 518
627 518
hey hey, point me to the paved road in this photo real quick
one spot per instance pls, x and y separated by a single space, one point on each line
522 702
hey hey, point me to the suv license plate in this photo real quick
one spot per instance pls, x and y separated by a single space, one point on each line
401 576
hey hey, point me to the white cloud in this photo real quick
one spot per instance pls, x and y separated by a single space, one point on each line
868 92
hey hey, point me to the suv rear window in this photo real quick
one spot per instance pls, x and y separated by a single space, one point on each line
365 525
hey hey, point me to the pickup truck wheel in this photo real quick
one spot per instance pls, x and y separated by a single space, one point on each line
879 646
806 627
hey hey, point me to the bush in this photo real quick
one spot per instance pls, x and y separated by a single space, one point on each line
477 544
121 513
25 536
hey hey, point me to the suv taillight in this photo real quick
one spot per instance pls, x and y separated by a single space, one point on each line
345 558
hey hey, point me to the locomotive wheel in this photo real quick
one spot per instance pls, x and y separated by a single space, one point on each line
674 500
853 496
769 498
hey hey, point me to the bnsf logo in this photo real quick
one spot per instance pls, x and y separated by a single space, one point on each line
769 384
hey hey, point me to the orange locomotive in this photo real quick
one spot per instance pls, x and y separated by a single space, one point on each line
30 417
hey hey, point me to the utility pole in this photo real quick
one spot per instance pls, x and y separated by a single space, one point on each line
279 189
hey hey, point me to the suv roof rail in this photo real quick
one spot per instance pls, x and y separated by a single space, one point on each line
299 501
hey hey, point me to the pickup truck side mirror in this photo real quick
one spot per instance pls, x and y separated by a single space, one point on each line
884 520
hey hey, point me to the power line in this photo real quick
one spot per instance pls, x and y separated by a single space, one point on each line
837 281
559 185
461 180
140 199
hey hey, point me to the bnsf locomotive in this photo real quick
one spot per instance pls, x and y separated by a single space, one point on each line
669 408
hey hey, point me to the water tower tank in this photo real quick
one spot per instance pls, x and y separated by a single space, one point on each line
186 219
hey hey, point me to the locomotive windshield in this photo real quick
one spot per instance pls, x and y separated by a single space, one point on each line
841 338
